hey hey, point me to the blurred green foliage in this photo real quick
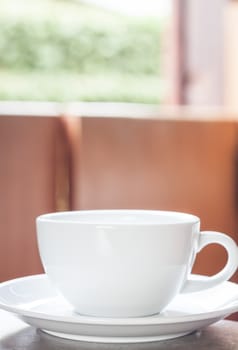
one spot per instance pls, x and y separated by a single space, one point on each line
81 47
77 52
65 87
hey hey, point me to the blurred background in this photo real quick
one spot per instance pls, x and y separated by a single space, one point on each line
150 52
66 50
116 104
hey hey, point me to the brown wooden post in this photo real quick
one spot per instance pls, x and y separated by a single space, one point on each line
175 55
197 52
231 54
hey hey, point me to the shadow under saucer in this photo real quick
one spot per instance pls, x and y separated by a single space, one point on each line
218 336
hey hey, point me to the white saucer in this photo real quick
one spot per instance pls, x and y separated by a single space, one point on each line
34 300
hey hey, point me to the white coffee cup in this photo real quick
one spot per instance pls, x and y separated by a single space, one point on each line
126 263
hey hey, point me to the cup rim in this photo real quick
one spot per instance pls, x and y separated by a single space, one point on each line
65 217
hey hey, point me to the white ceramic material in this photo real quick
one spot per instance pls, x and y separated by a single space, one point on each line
125 263
34 300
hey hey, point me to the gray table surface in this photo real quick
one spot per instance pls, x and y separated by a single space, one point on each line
16 335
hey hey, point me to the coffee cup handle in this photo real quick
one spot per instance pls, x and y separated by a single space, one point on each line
199 283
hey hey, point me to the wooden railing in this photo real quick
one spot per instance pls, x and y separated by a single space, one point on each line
88 156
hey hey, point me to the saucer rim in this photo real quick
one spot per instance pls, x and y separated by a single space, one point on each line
222 312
